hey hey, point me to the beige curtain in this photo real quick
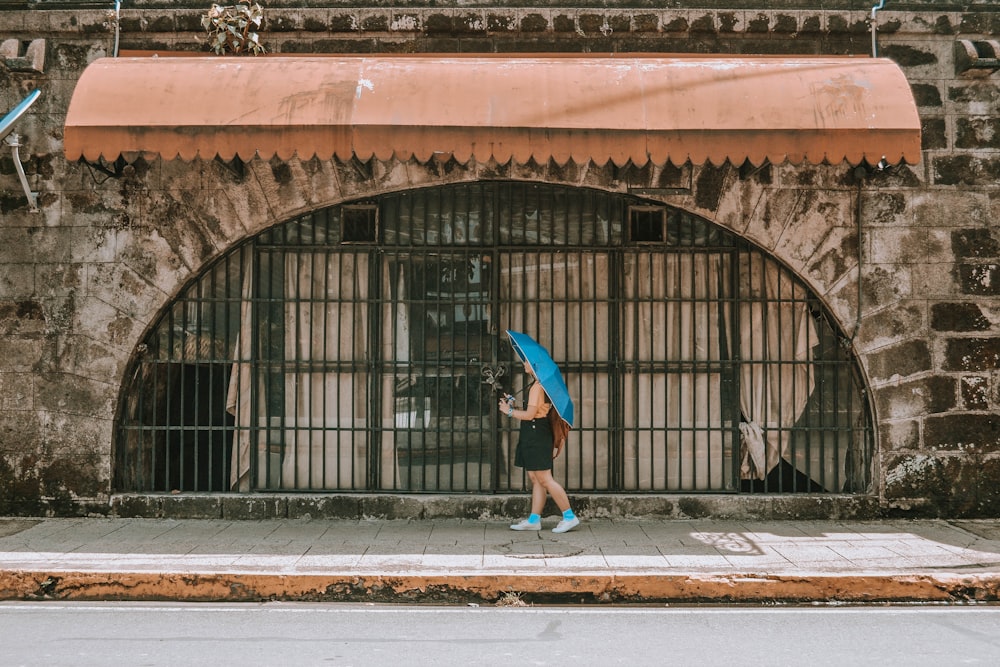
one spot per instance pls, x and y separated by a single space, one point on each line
777 337
319 440
238 395
563 301
674 313
324 426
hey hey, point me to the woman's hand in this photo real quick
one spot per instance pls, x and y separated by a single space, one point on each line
506 406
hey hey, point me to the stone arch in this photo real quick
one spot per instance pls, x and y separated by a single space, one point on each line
288 203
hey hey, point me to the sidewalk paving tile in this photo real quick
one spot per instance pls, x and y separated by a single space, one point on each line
949 560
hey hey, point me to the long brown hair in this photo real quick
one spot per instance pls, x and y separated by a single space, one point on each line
560 429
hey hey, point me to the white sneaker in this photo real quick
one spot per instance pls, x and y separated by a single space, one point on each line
526 525
566 524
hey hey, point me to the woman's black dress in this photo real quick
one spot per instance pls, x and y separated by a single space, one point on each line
534 446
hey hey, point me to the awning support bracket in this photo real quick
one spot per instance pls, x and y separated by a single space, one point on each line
116 169
12 141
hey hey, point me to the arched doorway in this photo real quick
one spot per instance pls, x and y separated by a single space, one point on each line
347 350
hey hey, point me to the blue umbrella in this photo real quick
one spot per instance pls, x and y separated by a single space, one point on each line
546 372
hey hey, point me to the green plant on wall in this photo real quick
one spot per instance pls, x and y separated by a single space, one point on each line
233 28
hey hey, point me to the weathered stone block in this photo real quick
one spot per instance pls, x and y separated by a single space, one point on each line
975 392
255 507
811 24
977 132
908 56
324 507
22 318
921 476
563 23
926 395
933 281
646 23
891 325
676 24
315 20
909 245
285 22
129 506
979 279
933 133
960 316
534 22
703 24
838 24
180 506
974 93
496 22
884 208
385 507
377 22
593 24
16 390
830 260
708 185
340 22
626 506
972 354
60 392
898 435
784 24
901 360
965 170
963 430
976 242
730 22
474 509
979 22
758 23
988 482
970 208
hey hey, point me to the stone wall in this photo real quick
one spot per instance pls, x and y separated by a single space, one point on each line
85 277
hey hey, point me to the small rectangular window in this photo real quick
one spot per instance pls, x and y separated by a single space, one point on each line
647 224
359 224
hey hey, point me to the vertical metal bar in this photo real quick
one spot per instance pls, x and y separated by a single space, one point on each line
332 263
375 368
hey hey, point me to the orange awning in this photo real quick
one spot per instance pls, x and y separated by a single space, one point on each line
622 108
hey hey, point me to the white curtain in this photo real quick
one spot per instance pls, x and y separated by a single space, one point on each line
777 338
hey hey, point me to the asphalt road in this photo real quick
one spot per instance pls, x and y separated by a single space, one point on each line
137 634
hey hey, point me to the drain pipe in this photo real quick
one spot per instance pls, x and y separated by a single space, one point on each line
118 17
860 173
877 7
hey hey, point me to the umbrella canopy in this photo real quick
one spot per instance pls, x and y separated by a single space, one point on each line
546 372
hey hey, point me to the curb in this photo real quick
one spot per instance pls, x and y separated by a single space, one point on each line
566 588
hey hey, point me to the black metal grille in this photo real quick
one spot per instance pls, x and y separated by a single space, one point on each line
360 347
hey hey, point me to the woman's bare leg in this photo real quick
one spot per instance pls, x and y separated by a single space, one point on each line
542 479
537 493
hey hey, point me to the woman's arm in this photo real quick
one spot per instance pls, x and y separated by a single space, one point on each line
535 400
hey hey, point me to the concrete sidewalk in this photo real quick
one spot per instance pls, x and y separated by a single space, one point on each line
462 560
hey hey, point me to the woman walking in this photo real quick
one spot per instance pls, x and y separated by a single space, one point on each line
536 448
